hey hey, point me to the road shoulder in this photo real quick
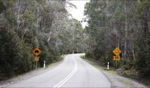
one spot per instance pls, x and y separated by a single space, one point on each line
116 80
29 74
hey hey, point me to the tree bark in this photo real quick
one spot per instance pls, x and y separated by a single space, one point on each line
148 22
126 31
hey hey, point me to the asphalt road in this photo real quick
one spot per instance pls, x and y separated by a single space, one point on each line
72 72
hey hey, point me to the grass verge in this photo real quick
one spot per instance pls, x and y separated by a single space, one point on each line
114 77
98 65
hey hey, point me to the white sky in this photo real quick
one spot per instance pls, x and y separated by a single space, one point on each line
78 13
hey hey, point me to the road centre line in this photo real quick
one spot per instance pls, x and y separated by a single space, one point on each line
67 77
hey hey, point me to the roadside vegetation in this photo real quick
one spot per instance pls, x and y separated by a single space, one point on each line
27 24
124 24
117 81
46 24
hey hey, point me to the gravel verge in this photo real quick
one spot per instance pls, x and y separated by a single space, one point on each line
117 80
28 75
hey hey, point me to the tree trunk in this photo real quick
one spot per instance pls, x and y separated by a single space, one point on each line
133 53
18 15
126 31
148 22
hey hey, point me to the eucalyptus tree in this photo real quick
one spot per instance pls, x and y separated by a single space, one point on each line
24 25
119 23
143 39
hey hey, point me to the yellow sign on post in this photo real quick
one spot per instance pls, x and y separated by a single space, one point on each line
117 51
36 58
116 58
36 51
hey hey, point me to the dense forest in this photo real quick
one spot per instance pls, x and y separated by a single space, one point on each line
27 24
47 24
124 24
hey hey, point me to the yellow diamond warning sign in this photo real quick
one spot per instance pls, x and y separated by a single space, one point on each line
36 51
117 51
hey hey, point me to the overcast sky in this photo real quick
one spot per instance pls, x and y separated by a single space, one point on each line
78 13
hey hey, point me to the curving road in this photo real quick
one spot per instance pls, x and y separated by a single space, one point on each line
72 72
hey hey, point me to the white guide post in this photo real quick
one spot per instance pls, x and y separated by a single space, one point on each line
108 66
44 64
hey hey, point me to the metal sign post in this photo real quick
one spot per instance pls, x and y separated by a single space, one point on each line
36 64
116 65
